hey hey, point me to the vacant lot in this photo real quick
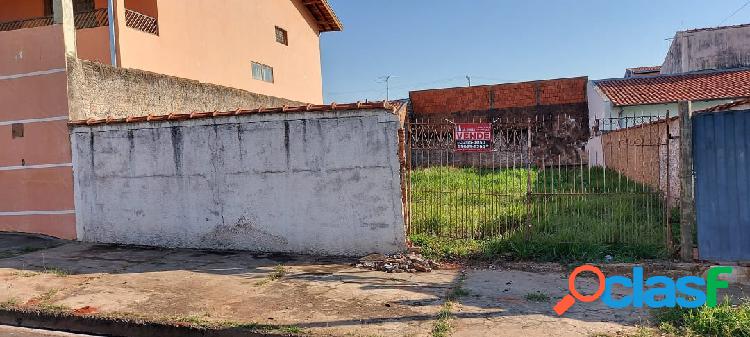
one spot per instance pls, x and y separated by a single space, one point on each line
578 209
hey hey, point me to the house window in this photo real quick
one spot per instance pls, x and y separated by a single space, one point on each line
282 36
262 72
79 6
17 130
48 8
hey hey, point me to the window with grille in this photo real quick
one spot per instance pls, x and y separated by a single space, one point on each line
262 72
282 36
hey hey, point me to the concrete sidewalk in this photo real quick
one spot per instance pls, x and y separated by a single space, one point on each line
313 295
297 294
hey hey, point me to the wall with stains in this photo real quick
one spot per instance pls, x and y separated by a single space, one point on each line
644 154
707 49
320 183
97 90
555 110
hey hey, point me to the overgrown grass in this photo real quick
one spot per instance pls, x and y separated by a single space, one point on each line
572 214
444 249
724 320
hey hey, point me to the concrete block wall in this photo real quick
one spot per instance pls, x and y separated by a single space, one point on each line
499 96
557 108
644 154
707 49
96 91
319 183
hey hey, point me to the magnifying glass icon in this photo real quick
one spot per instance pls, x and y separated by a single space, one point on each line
566 302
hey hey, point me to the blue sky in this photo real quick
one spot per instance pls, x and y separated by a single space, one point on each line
436 43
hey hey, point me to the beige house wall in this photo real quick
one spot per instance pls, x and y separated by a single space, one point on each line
216 41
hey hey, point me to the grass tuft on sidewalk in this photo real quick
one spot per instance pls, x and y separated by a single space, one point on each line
724 320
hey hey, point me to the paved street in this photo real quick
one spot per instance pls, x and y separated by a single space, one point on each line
9 331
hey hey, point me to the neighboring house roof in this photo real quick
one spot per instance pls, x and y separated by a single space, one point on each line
673 88
642 71
198 115
323 13
714 28
741 103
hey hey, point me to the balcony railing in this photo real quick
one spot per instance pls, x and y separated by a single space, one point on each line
141 22
92 19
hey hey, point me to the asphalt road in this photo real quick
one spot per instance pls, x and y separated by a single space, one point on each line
8 331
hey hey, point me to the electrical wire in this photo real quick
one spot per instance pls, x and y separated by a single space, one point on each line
735 12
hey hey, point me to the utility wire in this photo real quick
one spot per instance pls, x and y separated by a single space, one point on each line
735 12
421 85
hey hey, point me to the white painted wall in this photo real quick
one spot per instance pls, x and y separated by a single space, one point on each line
659 110
599 107
319 183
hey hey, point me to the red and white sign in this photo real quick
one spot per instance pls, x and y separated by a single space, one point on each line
473 137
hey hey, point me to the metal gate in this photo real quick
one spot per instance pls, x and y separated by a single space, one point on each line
721 144
534 183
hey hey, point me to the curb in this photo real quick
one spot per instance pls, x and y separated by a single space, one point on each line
92 325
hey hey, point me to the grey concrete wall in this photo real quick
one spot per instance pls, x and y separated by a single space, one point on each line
321 183
720 48
97 90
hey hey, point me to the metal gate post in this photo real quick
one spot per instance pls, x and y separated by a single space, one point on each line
528 180
687 203
406 186
667 197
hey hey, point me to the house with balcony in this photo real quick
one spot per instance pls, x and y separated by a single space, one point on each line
262 46
75 59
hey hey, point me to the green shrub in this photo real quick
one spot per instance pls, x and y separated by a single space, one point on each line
724 320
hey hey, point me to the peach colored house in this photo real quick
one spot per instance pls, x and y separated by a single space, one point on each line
268 47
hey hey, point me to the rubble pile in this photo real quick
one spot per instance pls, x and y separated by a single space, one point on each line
397 263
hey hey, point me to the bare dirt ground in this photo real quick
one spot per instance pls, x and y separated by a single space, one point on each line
496 304
317 296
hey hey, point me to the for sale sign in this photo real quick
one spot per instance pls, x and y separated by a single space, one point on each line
473 137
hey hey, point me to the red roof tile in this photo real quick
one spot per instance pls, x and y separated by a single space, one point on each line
728 106
322 12
239 112
673 88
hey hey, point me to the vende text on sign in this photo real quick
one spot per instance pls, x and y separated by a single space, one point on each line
473 137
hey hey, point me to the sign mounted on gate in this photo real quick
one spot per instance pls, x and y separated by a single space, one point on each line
473 137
